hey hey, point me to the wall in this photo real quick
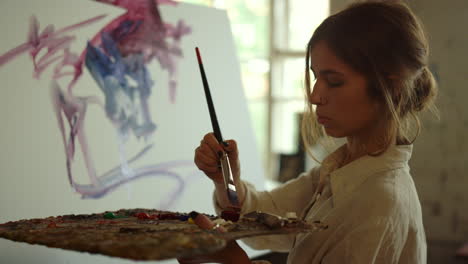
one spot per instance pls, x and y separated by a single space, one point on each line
441 168
440 162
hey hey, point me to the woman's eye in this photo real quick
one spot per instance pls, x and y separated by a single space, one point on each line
334 83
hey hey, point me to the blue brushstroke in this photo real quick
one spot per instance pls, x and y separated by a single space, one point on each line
125 104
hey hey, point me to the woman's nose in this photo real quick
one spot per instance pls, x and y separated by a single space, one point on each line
315 97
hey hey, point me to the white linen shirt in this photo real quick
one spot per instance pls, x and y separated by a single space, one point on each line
370 205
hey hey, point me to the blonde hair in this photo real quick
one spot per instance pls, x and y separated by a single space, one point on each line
386 43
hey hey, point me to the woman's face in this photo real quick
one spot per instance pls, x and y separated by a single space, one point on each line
340 94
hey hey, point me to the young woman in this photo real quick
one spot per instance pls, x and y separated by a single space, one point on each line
371 78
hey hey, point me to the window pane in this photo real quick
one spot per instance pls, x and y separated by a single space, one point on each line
255 78
296 20
288 78
285 126
249 22
304 17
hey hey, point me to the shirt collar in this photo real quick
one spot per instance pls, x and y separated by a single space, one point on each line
347 178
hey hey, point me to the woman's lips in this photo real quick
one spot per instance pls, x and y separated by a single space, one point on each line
322 120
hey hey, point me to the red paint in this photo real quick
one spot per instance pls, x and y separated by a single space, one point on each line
198 55
168 216
154 217
230 215
143 216
52 225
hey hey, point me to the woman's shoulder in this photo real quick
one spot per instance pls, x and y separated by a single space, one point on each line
390 194
312 174
390 183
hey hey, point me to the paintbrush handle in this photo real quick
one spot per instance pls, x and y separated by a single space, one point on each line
209 100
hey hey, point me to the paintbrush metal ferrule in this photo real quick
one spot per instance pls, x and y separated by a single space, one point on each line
229 180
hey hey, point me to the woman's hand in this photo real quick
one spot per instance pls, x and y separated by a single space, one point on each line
207 159
208 154
231 254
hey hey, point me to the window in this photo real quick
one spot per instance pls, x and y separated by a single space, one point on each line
271 38
293 23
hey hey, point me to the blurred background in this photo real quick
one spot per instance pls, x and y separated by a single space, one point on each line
271 37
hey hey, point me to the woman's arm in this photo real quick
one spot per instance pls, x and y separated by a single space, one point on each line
292 196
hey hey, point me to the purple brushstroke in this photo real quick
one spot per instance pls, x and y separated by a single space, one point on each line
118 51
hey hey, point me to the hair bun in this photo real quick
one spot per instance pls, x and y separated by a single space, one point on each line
425 90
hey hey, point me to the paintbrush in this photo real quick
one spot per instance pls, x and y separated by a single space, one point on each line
224 159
